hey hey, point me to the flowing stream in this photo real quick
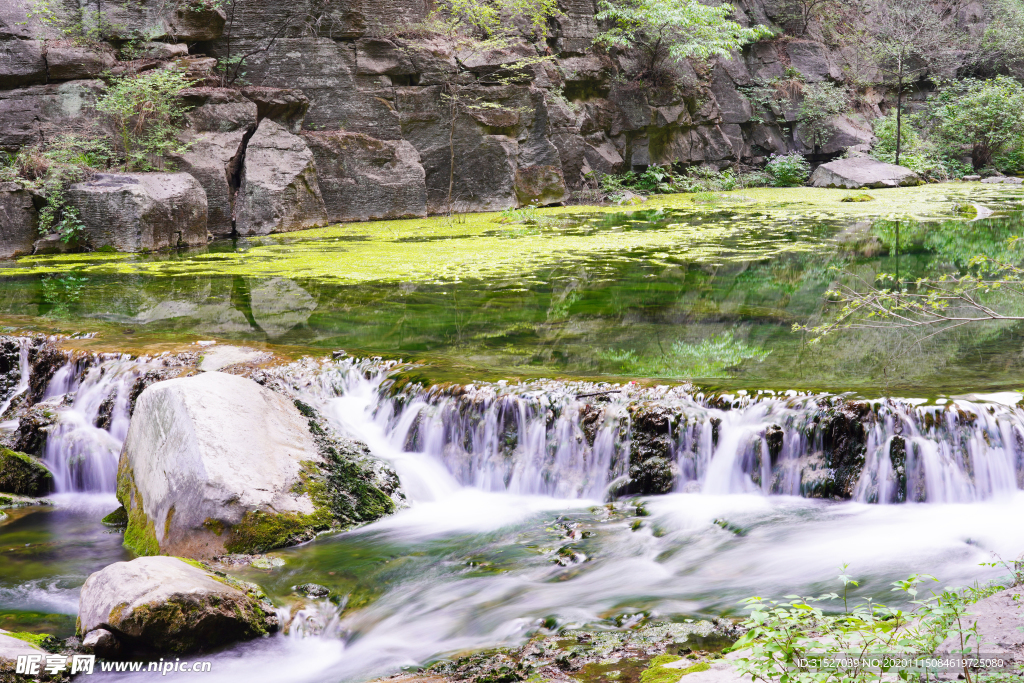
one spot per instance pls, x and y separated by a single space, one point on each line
521 515
510 529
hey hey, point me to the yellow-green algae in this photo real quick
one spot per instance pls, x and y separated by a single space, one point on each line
439 249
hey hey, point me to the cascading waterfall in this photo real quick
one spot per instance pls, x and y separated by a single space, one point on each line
580 440
543 438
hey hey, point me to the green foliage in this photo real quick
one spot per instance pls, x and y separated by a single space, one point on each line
675 29
146 112
50 168
789 170
493 19
821 101
985 116
916 153
806 639
659 180
712 357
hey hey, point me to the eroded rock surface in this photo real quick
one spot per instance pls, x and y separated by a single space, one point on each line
23 475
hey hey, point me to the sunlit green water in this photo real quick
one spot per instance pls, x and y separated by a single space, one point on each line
681 291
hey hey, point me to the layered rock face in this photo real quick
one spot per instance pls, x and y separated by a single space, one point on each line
349 114
168 605
217 463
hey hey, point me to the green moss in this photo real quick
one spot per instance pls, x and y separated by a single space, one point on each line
6 501
23 475
259 531
118 517
430 250
37 639
140 534
214 525
195 563
858 198
185 624
169 521
657 672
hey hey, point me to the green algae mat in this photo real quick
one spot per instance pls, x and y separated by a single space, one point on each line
702 287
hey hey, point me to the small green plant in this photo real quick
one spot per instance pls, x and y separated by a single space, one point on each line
819 640
789 170
146 112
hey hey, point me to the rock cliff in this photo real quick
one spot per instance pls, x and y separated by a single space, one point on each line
360 113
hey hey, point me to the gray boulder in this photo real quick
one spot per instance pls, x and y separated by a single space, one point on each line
858 172
279 190
540 185
362 178
23 475
285 106
156 20
141 211
1003 180
168 605
19 221
216 463
69 62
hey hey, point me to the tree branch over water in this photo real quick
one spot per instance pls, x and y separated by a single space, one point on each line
933 306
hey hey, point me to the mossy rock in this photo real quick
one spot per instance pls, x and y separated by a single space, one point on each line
23 475
858 198
118 517
657 672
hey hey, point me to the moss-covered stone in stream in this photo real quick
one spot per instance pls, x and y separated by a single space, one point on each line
23 475
118 517
657 672
140 532
261 531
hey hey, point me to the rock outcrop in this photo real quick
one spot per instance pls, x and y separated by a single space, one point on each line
219 125
860 172
165 604
279 191
217 463
23 475
362 178
141 211
19 221
10 649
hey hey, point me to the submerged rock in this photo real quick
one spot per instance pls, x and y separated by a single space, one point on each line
216 463
23 475
169 605
859 172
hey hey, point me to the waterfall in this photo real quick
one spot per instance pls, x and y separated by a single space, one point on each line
560 439
585 440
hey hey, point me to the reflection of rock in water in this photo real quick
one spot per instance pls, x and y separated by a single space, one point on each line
214 317
278 305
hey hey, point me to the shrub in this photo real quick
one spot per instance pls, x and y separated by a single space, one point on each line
51 168
146 112
788 170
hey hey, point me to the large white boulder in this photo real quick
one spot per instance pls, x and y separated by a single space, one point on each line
10 649
216 462
166 604
858 172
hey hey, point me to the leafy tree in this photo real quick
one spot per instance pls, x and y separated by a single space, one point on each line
146 113
675 29
788 170
909 38
987 116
